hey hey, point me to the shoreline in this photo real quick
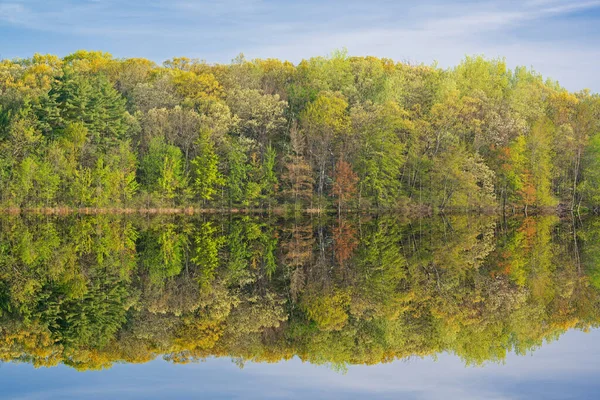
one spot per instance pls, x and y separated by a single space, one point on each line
279 211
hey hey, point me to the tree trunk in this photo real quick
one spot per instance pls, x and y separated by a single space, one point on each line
575 178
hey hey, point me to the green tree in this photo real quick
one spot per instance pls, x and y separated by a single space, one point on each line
161 171
206 175
93 101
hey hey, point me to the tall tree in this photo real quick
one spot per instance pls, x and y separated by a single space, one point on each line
323 121
206 175
344 183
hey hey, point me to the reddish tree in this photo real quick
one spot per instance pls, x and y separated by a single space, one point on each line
344 241
344 184
528 192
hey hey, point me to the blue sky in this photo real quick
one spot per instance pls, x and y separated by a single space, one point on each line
557 37
564 369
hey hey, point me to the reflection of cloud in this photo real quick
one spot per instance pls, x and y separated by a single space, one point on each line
542 33
571 359
565 368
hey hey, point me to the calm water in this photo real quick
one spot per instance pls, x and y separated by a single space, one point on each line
251 307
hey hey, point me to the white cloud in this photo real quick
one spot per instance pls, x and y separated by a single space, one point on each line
454 32
216 30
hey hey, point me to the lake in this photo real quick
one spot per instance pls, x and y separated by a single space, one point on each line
253 307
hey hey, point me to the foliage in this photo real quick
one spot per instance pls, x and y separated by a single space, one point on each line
93 291
267 133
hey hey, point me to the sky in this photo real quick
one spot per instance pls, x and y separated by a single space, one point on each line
558 38
564 369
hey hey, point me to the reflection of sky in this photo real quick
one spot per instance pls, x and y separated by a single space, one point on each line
568 368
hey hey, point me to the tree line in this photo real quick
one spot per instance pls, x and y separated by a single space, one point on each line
91 130
92 291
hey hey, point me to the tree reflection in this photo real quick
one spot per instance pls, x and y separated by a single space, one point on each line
92 291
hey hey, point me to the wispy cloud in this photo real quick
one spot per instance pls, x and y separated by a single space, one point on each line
567 7
108 16
530 30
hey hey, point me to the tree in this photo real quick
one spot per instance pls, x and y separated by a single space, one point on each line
171 176
237 176
590 187
540 161
261 115
269 179
93 101
380 153
207 177
264 133
461 181
344 183
197 89
298 177
161 171
176 126
323 120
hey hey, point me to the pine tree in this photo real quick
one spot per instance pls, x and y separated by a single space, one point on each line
93 101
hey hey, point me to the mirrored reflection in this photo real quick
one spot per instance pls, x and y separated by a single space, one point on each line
89 292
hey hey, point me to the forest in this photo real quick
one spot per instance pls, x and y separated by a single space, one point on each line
91 291
330 133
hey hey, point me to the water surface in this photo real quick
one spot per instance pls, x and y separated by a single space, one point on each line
256 307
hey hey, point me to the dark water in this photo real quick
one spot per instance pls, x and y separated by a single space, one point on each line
253 307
